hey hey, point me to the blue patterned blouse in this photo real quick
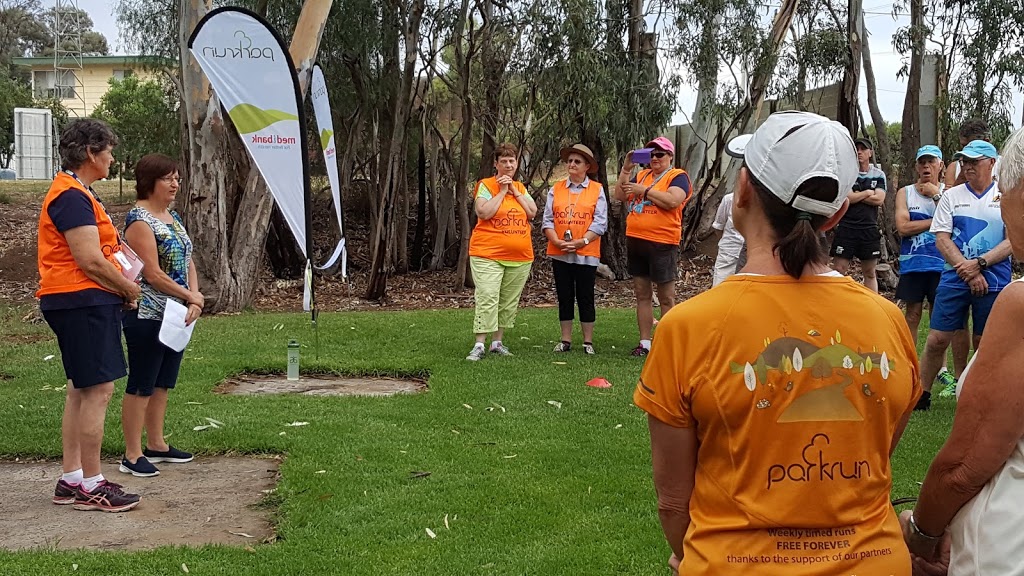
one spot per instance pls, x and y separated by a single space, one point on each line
174 250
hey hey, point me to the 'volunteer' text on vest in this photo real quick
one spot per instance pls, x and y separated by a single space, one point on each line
58 271
575 212
506 235
649 222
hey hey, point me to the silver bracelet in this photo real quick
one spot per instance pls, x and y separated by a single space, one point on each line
917 531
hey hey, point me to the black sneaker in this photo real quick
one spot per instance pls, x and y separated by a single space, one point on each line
639 351
141 469
64 493
925 402
106 497
171 456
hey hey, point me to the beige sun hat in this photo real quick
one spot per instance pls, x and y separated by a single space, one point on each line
582 151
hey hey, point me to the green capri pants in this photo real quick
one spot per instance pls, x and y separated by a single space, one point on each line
498 288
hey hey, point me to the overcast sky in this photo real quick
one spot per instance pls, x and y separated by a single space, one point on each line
878 20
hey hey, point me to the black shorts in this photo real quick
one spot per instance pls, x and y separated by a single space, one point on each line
90 343
151 364
861 244
653 260
915 287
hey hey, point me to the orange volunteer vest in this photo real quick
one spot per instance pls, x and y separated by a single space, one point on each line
648 222
58 271
506 235
575 215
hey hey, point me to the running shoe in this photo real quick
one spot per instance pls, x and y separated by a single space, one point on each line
105 497
64 493
563 346
639 351
948 382
477 353
588 349
925 402
500 350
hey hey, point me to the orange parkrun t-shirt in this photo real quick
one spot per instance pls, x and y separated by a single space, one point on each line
645 220
504 237
795 390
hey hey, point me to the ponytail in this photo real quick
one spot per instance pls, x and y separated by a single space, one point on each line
799 242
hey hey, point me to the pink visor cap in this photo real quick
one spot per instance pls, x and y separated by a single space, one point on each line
662 143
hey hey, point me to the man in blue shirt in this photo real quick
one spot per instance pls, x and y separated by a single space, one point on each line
971 237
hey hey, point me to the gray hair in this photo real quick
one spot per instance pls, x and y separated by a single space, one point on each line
1011 166
82 136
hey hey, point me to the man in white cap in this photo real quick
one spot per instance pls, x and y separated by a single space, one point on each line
971 236
654 199
789 383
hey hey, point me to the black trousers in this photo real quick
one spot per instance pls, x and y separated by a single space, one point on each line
574 284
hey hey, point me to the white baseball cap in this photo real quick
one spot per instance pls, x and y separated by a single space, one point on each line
791 147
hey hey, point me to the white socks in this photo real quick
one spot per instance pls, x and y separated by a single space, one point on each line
90 484
73 478
646 344
495 344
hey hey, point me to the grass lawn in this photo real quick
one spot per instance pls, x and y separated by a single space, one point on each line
533 489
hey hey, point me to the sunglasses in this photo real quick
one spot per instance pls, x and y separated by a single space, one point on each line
575 161
659 154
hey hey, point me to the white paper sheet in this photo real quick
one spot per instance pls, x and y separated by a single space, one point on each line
173 332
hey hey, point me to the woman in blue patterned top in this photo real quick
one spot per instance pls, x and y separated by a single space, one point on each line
157 235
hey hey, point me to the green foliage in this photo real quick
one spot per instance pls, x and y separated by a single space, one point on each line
13 94
895 132
144 116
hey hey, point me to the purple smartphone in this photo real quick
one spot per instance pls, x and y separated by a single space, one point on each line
642 155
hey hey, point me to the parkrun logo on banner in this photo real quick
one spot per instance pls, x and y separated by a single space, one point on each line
816 467
244 51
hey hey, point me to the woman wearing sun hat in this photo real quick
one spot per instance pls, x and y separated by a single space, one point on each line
575 218
775 400
655 199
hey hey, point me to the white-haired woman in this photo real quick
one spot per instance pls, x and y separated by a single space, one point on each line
969 516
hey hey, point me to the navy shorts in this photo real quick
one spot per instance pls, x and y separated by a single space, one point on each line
916 287
951 307
151 364
90 343
850 243
652 260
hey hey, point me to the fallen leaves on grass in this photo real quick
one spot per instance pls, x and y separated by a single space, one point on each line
560 363
320 472
418 474
210 423
555 403
446 522
467 406
297 424
48 357
617 426
510 456
242 534
431 533
184 568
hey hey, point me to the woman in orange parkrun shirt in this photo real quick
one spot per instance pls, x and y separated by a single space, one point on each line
81 294
776 398
655 199
500 251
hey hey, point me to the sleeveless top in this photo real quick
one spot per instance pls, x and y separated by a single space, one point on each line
174 251
987 539
504 237
919 253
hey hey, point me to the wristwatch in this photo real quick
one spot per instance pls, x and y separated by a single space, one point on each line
982 263
586 241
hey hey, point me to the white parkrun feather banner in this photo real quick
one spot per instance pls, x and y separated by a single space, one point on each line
252 74
325 126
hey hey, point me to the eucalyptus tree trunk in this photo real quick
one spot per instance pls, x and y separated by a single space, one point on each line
847 114
882 151
393 175
911 136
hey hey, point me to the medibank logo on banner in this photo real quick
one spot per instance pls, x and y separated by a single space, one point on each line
245 49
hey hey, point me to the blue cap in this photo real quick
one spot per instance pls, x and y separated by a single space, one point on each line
977 149
929 150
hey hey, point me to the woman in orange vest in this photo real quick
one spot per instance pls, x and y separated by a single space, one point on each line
654 199
575 218
775 400
500 251
81 294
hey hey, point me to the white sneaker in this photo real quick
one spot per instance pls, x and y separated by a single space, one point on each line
477 353
501 350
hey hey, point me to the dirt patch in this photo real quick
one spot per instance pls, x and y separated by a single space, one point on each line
319 385
192 504
27 338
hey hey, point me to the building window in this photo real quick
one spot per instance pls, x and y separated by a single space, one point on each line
45 85
120 75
